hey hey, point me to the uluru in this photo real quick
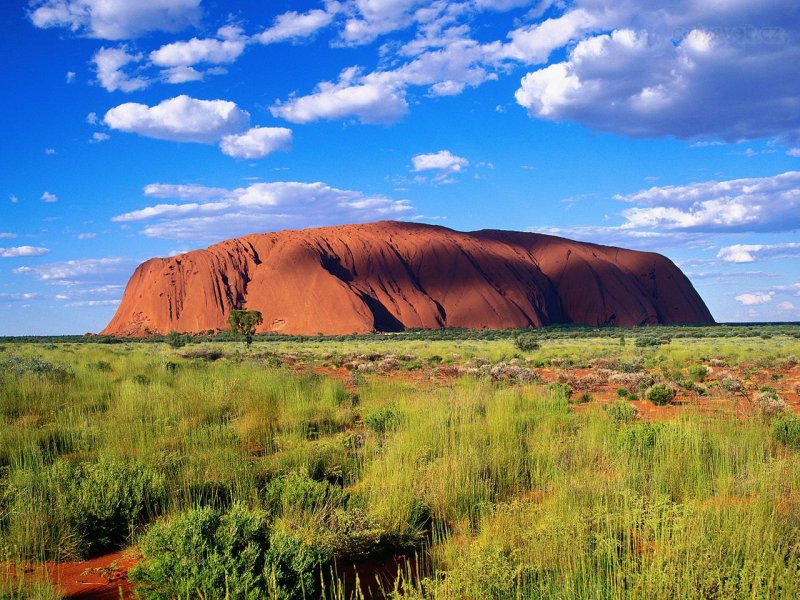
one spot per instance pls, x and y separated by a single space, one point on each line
391 275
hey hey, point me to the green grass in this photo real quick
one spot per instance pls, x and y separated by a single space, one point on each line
492 490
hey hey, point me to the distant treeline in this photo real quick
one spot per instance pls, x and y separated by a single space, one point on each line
732 330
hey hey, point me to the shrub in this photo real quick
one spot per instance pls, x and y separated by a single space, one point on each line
584 398
101 365
786 430
560 390
140 379
383 419
620 411
769 403
175 339
645 341
661 394
94 507
293 567
205 553
34 365
526 342
622 393
698 373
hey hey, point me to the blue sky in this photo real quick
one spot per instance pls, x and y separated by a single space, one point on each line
140 129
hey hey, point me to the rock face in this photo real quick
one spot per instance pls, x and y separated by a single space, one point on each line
389 276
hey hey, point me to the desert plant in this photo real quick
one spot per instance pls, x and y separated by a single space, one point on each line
620 411
205 553
526 342
786 430
660 394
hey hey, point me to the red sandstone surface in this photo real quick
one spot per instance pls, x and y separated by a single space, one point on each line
389 276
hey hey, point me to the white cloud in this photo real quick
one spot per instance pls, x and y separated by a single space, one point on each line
752 204
195 51
181 119
186 119
92 118
374 103
747 253
372 18
99 136
257 142
793 152
16 297
444 162
85 303
48 197
115 19
86 236
217 213
70 77
293 26
628 238
754 299
4 235
678 68
182 74
13 198
50 151
76 272
533 44
22 251
786 306
109 64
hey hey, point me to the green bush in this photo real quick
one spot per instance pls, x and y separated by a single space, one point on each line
175 339
81 510
293 567
660 394
383 419
526 342
698 373
786 430
560 390
296 491
205 553
620 411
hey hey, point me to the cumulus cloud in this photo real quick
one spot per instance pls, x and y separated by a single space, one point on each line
751 204
294 26
180 119
49 197
257 142
195 51
369 102
217 213
109 64
747 253
444 163
186 119
77 272
115 19
685 69
23 251
754 299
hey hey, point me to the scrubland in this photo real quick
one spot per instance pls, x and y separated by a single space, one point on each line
408 467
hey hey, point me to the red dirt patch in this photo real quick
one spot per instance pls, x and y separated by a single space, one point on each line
101 578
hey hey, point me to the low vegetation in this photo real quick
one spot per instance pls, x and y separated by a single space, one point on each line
300 470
